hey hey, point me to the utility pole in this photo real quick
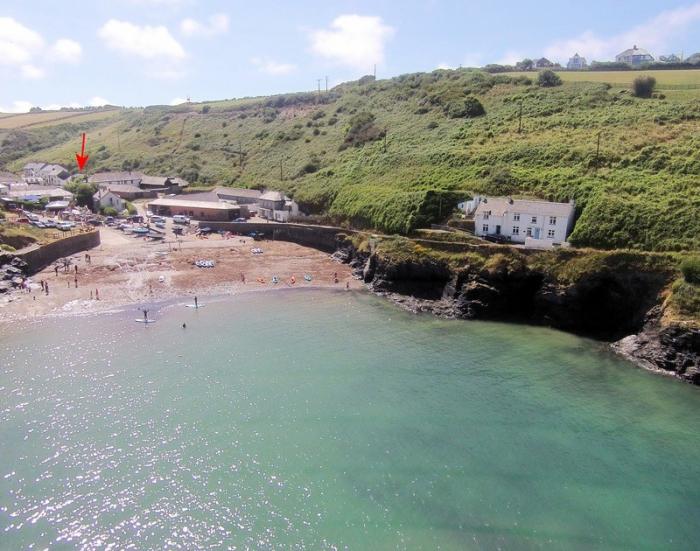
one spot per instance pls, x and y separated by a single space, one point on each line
375 71
385 134
318 80
326 84
597 151
281 173
520 118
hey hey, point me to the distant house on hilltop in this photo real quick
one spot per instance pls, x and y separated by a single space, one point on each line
671 58
537 224
634 57
543 63
576 63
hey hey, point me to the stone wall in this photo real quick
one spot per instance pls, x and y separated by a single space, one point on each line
38 258
324 238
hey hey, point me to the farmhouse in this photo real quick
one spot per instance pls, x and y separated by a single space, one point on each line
576 63
634 57
212 211
534 223
106 198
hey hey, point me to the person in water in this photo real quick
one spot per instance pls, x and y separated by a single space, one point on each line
184 326
196 304
145 315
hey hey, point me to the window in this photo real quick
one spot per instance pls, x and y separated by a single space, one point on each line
485 228
552 220
516 217
529 232
516 230
534 219
550 234
486 216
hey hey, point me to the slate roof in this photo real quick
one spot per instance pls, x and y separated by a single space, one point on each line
499 206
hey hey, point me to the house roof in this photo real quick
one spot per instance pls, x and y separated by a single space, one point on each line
272 196
40 192
634 51
238 192
106 177
54 170
33 166
124 188
155 181
187 203
499 206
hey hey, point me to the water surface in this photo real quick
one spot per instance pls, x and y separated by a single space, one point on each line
329 420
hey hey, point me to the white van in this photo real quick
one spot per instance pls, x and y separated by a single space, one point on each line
181 219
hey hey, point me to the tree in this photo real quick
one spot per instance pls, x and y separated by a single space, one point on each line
525 65
548 79
468 108
643 87
83 193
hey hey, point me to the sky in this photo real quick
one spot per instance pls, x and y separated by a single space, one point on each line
149 52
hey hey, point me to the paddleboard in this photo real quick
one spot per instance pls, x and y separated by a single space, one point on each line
144 321
193 306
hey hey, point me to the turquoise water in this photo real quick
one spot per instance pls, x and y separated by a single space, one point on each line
328 420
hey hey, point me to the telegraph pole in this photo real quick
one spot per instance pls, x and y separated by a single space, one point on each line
520 118
597 151
281 173
318 80
326 84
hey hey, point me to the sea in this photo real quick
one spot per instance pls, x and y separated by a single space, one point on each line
312 419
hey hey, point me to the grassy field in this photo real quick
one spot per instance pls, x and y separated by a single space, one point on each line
50 118
687 79
329 152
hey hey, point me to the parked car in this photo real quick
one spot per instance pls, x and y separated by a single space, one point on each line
181 219
240 220
109 220
64 226
49 223
95 222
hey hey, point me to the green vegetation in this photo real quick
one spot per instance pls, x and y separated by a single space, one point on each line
685 299
398 154
548 79
643 86
690 268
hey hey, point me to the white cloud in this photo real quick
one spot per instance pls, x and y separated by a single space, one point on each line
655 35
17 107
218 24
31 72
270 67
354 40
178 101
511 57
66 50
146 42
98 101
18 44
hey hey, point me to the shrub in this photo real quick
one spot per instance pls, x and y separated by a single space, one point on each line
206 109
468 108
362 130
109 211
548 79
130 208
432 125
691 269
643 87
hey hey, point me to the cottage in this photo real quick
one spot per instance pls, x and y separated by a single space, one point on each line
54 175
534 223
212 211
130 192
31 172
107 179
576 63
543 63
105 199
634 57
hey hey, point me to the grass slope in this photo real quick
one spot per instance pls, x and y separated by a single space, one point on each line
645 192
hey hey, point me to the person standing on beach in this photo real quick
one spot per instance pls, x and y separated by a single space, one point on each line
76 281
46 288
97 294
56 269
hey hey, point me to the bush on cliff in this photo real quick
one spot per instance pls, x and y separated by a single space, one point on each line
691 269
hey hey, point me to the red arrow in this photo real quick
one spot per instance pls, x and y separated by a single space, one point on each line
82 158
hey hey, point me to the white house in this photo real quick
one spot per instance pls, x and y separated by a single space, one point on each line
274 205
534 223
105 198
30 172
576 63
634 56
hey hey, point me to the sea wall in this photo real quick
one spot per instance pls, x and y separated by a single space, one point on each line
325 238
38 257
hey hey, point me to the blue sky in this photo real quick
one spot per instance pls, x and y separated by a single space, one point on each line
145 52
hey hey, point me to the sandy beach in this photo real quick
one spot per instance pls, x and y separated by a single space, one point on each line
126 270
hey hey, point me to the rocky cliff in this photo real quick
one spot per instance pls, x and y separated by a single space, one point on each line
611 304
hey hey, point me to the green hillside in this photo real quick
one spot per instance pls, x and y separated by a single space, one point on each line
330 151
